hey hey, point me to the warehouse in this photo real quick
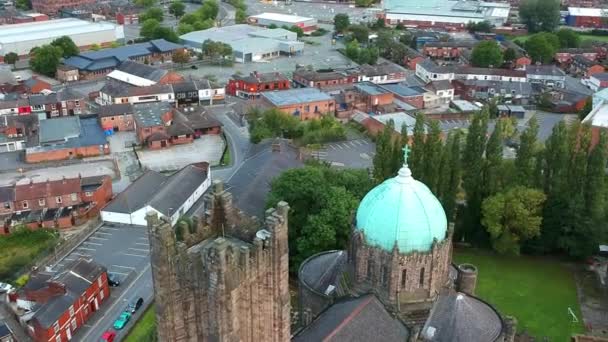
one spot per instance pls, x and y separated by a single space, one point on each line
249 43
21 38
307 25
446 14
587 17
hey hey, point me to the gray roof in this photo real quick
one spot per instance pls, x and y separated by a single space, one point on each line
115 109
370 88
547 70
149 114
59 129
441 85
6 75
361 319
602 76
403 90
117 88
295 96
7 194
137 194
142 70
322 270
457 317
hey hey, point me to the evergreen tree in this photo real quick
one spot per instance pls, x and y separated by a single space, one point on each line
383 160
450 174
492 174
595 187
398 144
415 159
524 162
432 157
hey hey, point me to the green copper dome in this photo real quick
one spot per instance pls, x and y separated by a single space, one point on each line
404 211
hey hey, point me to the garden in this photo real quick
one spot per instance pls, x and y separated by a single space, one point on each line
21 248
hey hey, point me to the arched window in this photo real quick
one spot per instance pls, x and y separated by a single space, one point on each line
422 277
403 277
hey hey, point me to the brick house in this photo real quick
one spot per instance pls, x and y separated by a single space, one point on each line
252 85
120 92
481 90
117 117
304 103
18 106
382 73
565 56
67 138
374 97
61 103
53 7
323 79
412 57
186 93
67 300
583 66
67 73
413 96
443 89
451 50
15 130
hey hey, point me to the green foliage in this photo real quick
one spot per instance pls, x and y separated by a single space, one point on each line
216 50
22 280
509 55
45 59
148 28
209 10
539 15
388 148
240 16
416 157
378 24
272 26
360 33
493 163
24 5
542 47
512 217
322 201
152 13
180 57
275 123
432 156
361 55
22 247
67 46
450 174
95 47
364 3
145 328
487 54
581 115
525 161
145 3
341 22
177 8
482 26
183 28
321 131
298 30
11 58
568 38
166 33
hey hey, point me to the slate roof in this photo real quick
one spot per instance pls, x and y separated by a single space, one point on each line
549 70
47 189
150 114
266 77
457 317
89 134
322 270
361 319
402 90
370 88
441 85
142 70
384 68
115 109
65 94
602 76
137 194
467 44
116 88
59 129
295 96
7 194
584 61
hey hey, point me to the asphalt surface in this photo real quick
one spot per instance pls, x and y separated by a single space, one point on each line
357 153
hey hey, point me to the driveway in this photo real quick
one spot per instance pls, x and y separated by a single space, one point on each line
208 148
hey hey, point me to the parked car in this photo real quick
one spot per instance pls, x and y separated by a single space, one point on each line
194 67
5 287
108 336
135 305
122 320
113 280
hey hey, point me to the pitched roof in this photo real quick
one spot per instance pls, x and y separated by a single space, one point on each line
115 109
142 70
177 189
117 88
256 77
47 189
7 194
137 194
355 320
550 70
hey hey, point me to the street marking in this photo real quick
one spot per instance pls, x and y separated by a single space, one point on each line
339 146
109 228
87 249
352 144
142 243
127 267
121 273
139 249
137 255
93 243
332 147
104 233
346 146
143 238
98 238
82 255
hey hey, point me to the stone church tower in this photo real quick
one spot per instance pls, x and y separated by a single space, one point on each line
227 280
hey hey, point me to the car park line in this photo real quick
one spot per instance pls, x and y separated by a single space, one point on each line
121 273
139 249
137 255
104 233
98 238
109 228
127 267
87 249
93 243
142 243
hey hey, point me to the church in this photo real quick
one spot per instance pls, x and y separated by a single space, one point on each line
226 277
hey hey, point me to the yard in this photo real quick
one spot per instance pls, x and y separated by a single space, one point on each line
21 249
583 37
144 328
537 291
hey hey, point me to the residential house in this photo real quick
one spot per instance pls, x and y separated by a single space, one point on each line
382 73
479 90
95 64
303 77
565 57
252 85
598 81
585 67
443 89
411 95
119 92
34 85
15 106
546 75
67 138
186 93
64 102
567 101
117 117
412 57
304 103
450 50
15 131
489 74
428 71
67 73
168 196
209 92
141 75
66 300
374 97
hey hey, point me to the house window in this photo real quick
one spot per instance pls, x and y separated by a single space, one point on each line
99 282
73 324
58 199
56 327
422 277
24 204
73 197
101 294
88 193
41 202
403 278
77 103
71 310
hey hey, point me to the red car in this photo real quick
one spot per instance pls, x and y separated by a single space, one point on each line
108 336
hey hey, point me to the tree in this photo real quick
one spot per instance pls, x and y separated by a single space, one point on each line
513 217
148 28
209 10
216 50
364 3
67 46
95 47
383 160
451 171
509 55
595 187
379 24
166 33
145 3
298 30
352 50
24 5
487 54
360 33
322 202
432 156
177 8
189 18
482 26
540 15
152 13
586 109
272 26
542 47
11 58
416 157
45 59
525 163
568 38
493 163
341 22
184 28
240 16
180 56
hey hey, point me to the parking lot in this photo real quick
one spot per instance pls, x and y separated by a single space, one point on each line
125 252
357 153
208 148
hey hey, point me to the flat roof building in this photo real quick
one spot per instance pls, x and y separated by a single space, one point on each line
21 38
279 19
305 103
249 43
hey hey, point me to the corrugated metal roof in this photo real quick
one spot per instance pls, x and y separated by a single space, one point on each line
281 17
294 96
50 29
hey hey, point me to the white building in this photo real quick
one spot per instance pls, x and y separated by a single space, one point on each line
266 19
21 38
168 196
115 91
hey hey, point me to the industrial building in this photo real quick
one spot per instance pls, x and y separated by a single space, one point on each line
307 25
249 43
587 17
447 14
21 38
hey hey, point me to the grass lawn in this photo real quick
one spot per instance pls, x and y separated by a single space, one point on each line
537 291
21 248
143 327
226 157
583 37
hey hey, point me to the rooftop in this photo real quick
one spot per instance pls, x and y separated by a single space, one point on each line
446 10
587 12
598 117
281 17
149 114
59 129
48 29
115 109
266 77
602 76
545 70
295 96
399 119
370 88
68 132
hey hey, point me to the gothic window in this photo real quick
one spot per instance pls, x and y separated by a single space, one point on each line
403 277
422 277
370 265
384 275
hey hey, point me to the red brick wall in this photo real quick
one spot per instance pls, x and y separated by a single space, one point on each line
240 85
144 132
307 110
101 196
49 202
123 122
63 154
596 69
416 101
171 78
183 140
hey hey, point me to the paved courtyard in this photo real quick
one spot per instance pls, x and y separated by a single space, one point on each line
358 153
208 148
